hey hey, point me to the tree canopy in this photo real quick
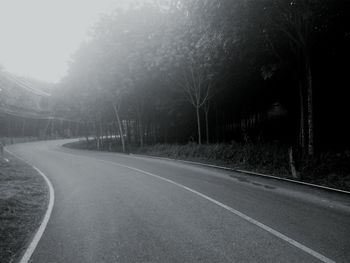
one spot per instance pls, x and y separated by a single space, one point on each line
248 70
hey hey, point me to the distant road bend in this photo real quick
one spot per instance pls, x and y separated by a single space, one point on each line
121 208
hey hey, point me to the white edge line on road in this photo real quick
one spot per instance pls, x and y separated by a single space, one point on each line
277 234
242 171
270 230
30 249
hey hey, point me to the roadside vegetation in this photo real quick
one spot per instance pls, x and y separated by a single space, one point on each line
268 75
331 169
23 202
259 73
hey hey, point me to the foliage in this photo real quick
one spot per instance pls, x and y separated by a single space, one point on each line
330 169
159 64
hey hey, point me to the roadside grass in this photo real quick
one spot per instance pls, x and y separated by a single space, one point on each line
328 169
23 202
259 158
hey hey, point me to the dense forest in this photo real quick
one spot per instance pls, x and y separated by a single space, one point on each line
211 71
214 71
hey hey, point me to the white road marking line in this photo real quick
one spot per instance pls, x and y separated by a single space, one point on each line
30 249
277 234
239 171
272 231
6 160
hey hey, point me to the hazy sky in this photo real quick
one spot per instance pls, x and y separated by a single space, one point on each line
37 37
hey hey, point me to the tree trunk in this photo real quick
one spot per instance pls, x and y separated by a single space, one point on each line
141 133
293 170
110 138
115 131
206 111
87 134
119 126
97 137
207 126
154 130
140 127
127 132
217 130
302 118
199 126
310 117
52 127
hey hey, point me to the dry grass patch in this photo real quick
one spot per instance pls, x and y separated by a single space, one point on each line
23 202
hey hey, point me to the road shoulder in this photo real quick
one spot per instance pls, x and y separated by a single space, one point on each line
24 197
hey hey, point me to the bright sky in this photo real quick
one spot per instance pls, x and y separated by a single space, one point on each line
37 37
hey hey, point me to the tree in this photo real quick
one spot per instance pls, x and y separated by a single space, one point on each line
152 68
294 19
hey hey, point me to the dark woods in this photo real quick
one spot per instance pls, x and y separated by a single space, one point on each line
212 71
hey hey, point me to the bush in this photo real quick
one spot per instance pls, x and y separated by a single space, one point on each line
262 156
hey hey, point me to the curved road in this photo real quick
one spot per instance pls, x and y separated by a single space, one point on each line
123 208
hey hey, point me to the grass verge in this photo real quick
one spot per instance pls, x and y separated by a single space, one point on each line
23 202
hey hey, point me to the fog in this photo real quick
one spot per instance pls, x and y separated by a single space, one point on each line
39 36
179 71
175 130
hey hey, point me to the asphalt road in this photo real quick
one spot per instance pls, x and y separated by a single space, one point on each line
122 208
